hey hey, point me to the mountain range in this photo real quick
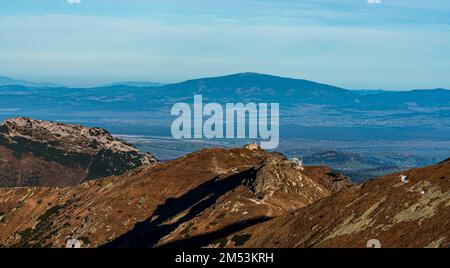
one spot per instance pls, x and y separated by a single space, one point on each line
309 110
135 84
303 102
219 197
248 86
6 81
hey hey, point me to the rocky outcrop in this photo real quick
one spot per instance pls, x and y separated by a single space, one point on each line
279 178
42 153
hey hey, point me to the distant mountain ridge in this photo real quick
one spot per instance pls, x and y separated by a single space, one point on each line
4 81
259 87
246 79
301 101
241 87
263 87
135 84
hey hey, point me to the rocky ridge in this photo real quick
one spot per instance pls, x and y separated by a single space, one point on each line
206 195
42 153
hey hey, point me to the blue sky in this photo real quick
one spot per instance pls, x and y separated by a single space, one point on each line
394 44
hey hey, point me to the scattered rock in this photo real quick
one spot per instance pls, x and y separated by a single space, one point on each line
404 178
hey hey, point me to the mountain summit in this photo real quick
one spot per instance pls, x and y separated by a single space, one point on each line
260 87
42 153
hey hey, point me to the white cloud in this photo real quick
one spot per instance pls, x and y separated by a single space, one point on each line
374 1
72 2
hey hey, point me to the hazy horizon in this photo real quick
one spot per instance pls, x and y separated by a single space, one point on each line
112 82
384 44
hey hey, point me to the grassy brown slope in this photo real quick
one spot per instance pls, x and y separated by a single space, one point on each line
154 205
415 214
104 209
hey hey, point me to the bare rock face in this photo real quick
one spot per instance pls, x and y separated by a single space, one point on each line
279 174
281 179
42 153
